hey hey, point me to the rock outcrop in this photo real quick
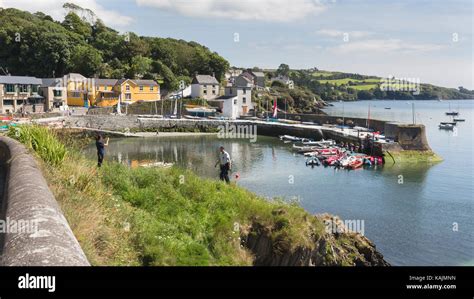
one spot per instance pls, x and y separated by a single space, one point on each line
337 247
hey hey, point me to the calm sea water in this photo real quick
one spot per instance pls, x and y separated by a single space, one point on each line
425 220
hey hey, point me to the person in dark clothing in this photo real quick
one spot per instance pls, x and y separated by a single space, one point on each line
100 144
225 164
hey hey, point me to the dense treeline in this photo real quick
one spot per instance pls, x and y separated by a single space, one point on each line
36 45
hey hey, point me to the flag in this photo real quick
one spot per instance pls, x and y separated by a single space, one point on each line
275 109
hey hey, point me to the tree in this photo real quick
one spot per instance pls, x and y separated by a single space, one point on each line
140 66
170 81
74 23
283 70
85 60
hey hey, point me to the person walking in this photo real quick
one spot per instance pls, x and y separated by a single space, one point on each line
225 165
100 144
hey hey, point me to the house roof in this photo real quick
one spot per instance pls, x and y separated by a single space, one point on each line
204 79
109 82
258 74
76 76
19 80
146 82
247 75
51 82
138 82
226 97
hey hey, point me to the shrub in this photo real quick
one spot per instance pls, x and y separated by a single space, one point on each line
42 140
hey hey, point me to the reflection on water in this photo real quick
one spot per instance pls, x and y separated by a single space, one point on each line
408 211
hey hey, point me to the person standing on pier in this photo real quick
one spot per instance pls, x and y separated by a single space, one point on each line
100 144
225 164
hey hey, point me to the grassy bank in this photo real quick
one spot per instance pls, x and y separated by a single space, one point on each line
154 216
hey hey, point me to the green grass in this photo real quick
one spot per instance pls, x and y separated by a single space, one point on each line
170 217
42 141
364 87
347 80
155 216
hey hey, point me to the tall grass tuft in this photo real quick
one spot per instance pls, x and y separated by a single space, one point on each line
42 140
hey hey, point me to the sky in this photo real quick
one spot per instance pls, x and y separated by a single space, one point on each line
427 40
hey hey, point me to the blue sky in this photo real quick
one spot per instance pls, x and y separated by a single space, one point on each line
429 40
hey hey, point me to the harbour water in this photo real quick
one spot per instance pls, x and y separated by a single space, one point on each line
415 214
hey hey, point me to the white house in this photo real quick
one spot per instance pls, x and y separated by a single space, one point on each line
237 100
205 86
283 79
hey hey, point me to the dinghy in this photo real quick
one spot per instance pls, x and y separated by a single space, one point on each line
446 127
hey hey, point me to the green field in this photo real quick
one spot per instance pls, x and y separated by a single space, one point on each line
323 74
347 80
364 87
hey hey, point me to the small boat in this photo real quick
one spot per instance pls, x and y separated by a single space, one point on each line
192 117
446 127
320 143
290 138
156 164
388 108
313 161
329 151
358 162
458 119
453 123
305 149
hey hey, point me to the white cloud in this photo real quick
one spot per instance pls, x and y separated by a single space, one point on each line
55 9
385 45
261 10
339 33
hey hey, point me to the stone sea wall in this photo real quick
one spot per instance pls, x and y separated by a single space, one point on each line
34 230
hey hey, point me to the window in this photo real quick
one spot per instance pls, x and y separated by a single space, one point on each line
128 96
57 93
245 91
7 102
235 101
127 87
34 88
10 88
205 86
151 87
141 87
244 100
213 86
205 91
23 88
105 87
213 92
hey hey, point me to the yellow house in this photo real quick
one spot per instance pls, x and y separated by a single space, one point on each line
85 92
104 94
79 89
132 91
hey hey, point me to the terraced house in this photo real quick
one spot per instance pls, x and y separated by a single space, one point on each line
87 92
19 93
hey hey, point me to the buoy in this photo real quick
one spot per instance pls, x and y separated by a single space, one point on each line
237 176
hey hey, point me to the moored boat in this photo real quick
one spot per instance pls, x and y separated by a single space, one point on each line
446 127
